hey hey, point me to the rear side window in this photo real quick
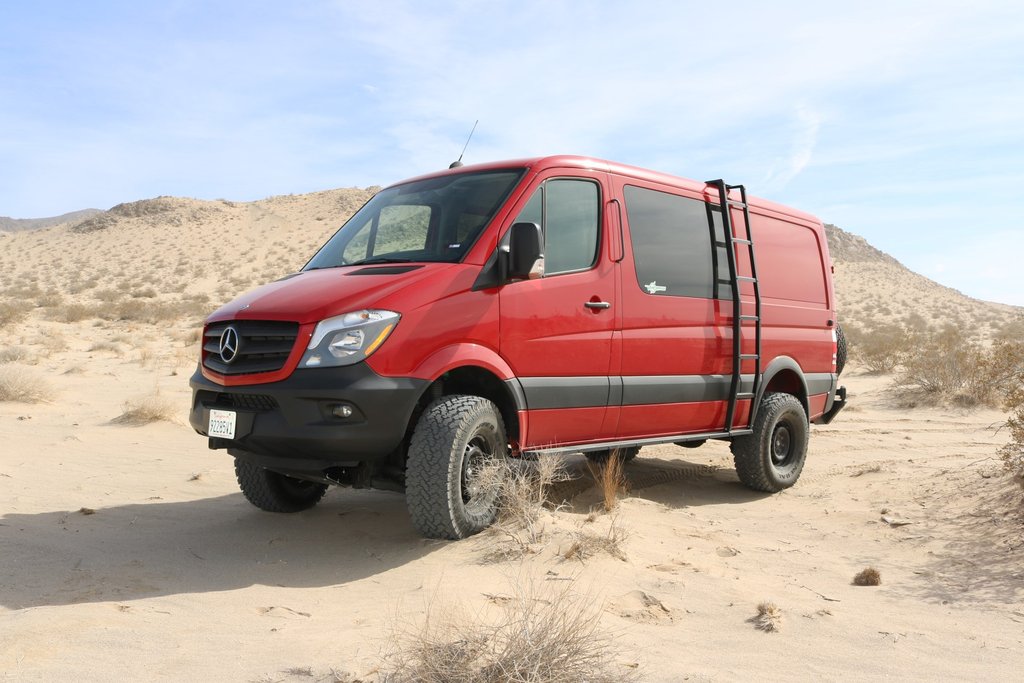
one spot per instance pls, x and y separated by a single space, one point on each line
672 239
567 211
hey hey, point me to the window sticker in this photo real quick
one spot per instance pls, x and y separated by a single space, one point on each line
654 288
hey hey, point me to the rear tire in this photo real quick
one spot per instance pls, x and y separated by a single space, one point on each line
275 492
452 486
772 458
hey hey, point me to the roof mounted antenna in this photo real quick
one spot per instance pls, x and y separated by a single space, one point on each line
458 162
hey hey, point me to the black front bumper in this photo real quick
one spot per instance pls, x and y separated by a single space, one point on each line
292 422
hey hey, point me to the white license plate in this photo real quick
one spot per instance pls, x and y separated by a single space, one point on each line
222 424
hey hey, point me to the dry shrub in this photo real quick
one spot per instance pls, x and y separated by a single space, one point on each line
868 577
71 313
12 312
768 617
949 367
879 349
20 384
544 633
1013 452
50 300
610 479
142 411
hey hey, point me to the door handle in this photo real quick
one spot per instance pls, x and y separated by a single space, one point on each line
597 304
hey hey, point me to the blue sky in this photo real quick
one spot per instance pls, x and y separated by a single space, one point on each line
902 122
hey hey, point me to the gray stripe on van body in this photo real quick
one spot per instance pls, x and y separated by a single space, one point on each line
546 393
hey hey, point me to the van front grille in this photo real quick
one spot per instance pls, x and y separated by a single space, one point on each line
258 346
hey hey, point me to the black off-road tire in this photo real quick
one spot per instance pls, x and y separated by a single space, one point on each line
772 458
840 349
601 457
275 492
455 438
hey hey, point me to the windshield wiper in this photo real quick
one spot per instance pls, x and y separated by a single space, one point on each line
379 259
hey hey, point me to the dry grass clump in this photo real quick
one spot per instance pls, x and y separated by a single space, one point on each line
523 488
868 577
768 617
14 354
610 478
111 346
22 385
541 634
147 409
587 544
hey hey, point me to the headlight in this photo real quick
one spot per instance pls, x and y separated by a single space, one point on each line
348 339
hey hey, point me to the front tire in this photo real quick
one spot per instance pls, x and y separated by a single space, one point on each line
275 492
772 458
454 474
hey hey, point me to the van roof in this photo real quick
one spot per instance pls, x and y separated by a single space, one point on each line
591 163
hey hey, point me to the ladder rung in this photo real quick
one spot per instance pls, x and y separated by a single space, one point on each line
744 278
721 244
733 202
749 356
740 240
750 317
745 394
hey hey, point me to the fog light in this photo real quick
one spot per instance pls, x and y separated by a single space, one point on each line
342 410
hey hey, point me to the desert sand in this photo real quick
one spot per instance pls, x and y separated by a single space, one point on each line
128 553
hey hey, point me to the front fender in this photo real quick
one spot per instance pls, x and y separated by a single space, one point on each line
460 355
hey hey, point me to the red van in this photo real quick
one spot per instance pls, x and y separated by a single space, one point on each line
537 306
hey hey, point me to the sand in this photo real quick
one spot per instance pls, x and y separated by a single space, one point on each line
176 576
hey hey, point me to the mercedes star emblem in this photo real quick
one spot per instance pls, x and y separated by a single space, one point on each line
229 343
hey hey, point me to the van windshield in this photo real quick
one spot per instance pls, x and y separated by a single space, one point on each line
437 219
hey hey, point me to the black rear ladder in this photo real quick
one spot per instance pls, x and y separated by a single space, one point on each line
733 240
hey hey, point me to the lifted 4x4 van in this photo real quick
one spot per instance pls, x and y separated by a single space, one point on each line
537 306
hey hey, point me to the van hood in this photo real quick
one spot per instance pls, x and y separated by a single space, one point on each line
312 295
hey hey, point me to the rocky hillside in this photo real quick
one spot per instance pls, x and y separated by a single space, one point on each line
875 290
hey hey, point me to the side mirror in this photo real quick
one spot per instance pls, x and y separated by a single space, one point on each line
524 250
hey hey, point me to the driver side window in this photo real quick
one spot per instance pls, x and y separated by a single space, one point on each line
567 211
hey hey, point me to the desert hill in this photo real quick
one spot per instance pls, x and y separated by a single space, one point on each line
19 224
160 258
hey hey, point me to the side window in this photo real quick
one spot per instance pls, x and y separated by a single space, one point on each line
671 239
567 211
